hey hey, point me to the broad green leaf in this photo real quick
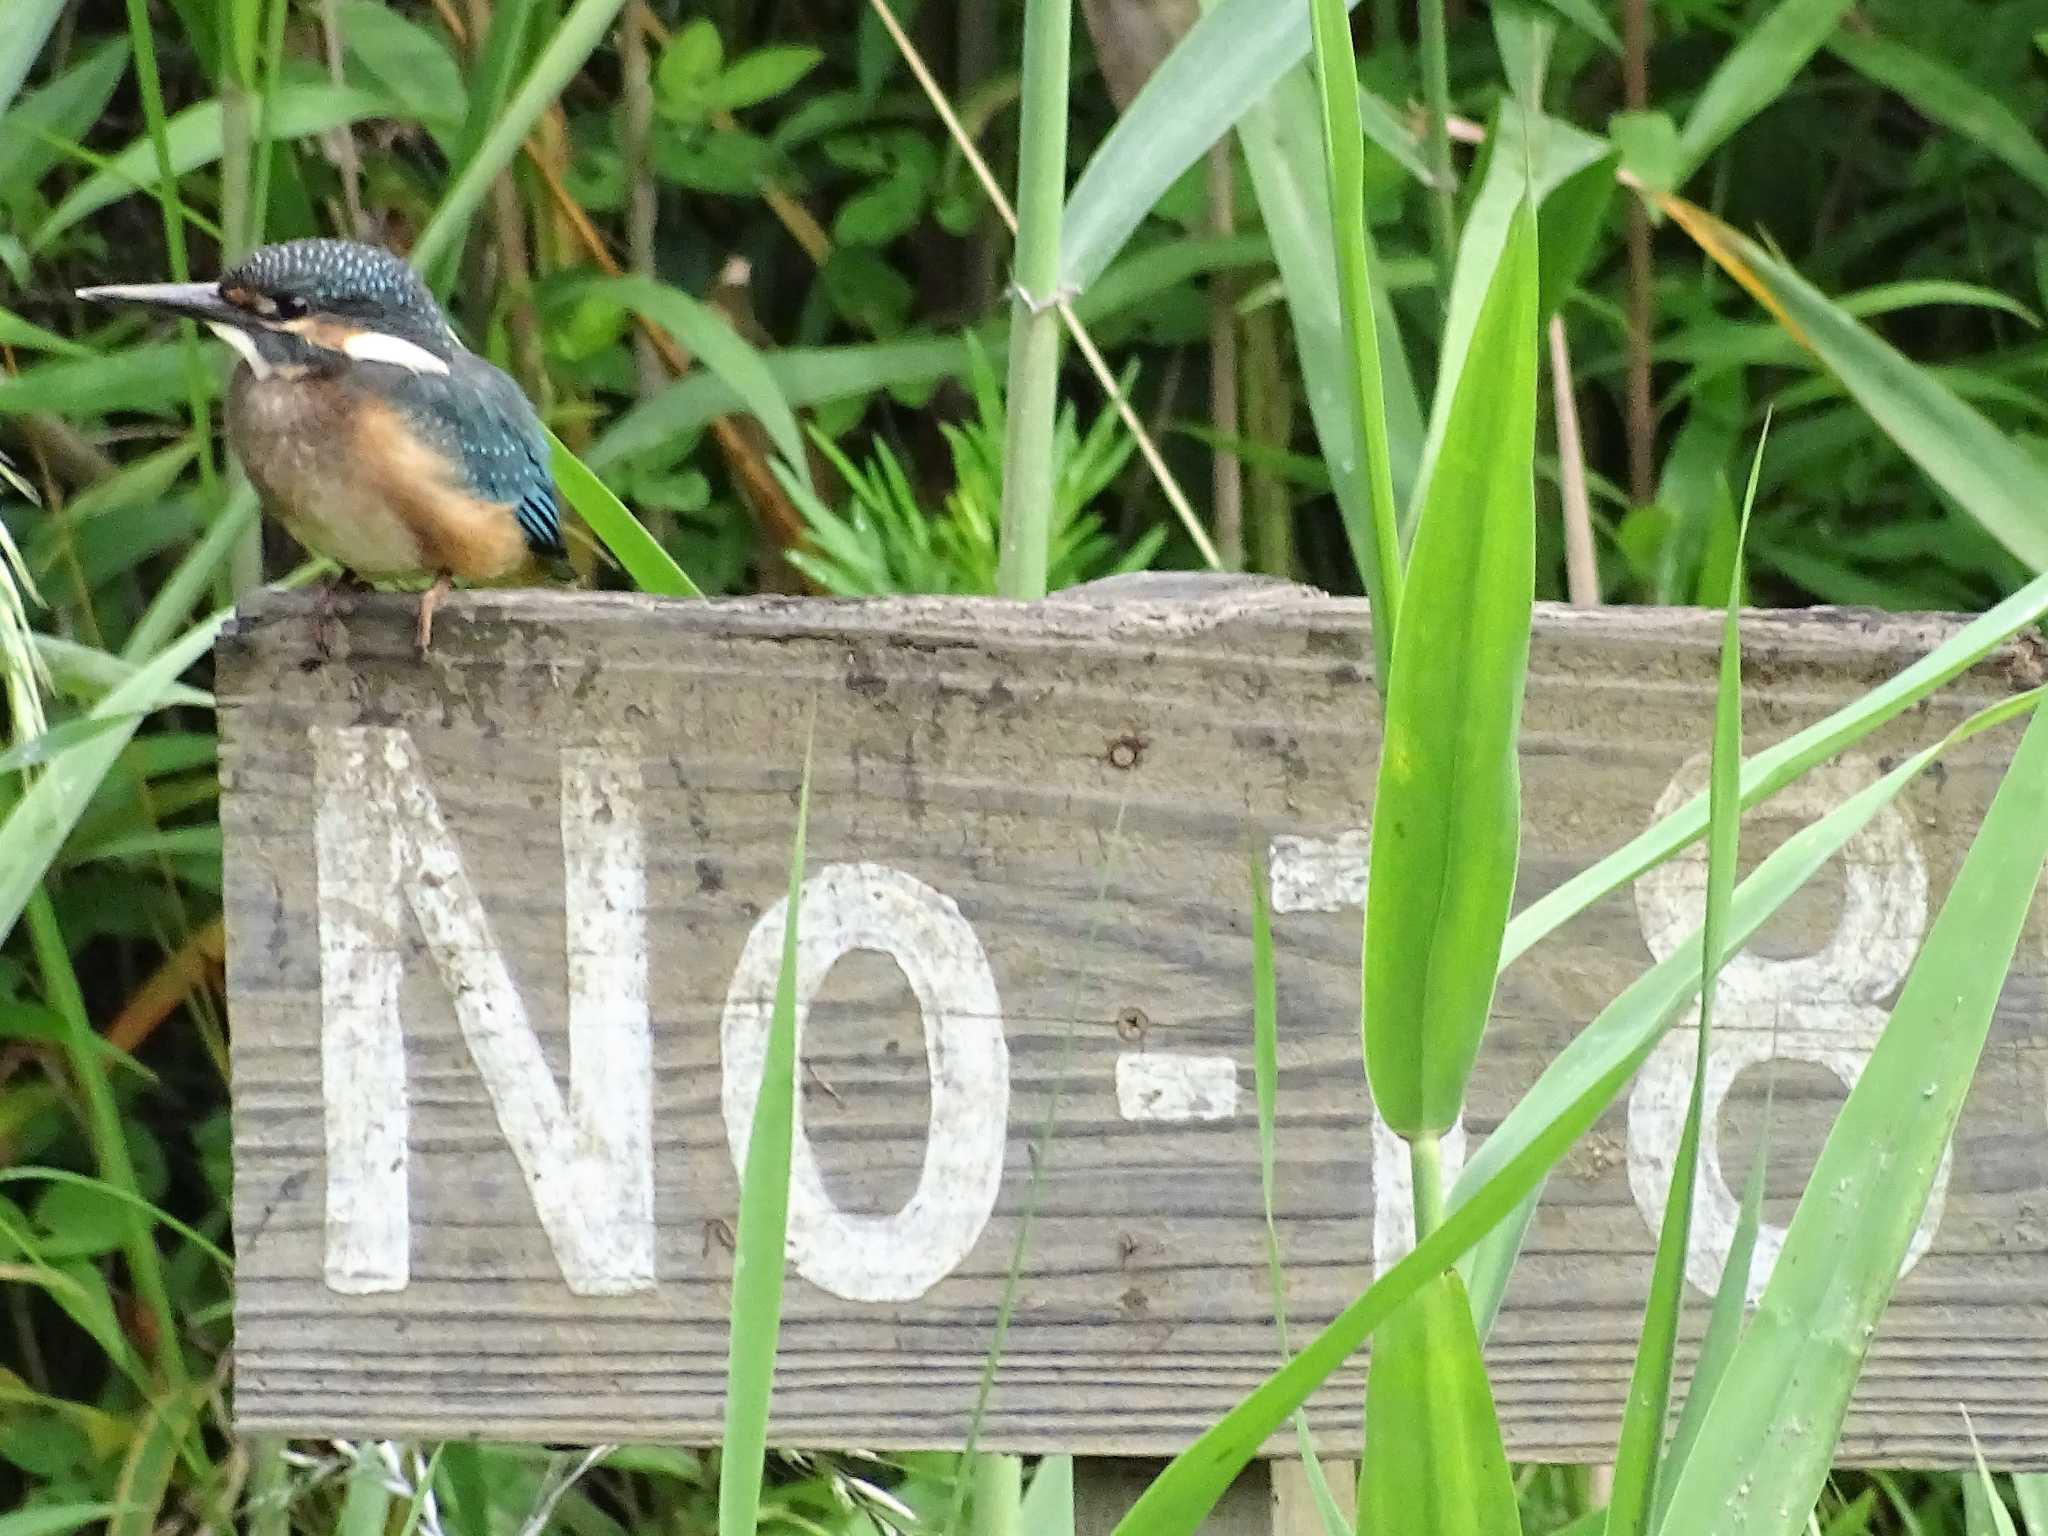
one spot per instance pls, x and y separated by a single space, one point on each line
1981 468
722 350
2031 1488
1754 73
1344 161
1447 810
1637 1460
1048 1503
1224 65
1945 95
408 61
1648 144
762 75
1763 1450
575 37
763 1237
652 568
366 1506
195 140
688 69
1434 1462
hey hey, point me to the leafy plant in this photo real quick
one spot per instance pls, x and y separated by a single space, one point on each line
885 542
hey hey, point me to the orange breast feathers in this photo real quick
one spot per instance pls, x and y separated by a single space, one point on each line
459 532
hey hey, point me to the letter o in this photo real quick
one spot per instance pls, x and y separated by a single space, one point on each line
844 907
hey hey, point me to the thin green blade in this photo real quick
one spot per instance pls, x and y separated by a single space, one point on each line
1637 1457
762 1240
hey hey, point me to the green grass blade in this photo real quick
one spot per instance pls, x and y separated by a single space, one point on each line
1762 1454
720 348
35 828
1447 810
760 1249
1944 94
1626 1031
1724 1323
1266 1077
1754 74
29 27
63 109
1982 468
1344 161
194 138
1987 1511
1222 67
1434 1462
1648 1407
189 582
575 38
1280 138
652 568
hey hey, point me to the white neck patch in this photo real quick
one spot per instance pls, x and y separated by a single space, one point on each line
243 343
379 347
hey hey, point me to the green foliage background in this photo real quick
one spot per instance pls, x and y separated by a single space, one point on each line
757 287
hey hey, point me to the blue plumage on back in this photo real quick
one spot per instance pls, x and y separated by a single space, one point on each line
479 418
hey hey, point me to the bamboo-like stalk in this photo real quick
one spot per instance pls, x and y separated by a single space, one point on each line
1226 472
1642 413
1436 90
1148 449
1034 305
1582 571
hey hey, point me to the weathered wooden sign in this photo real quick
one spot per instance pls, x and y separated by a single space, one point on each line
504 927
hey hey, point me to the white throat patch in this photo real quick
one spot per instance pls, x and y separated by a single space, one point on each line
379 347
241 341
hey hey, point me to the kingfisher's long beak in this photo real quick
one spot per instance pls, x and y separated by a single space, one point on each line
197 301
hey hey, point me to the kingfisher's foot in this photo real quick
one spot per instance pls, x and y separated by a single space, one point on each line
423 636
327 605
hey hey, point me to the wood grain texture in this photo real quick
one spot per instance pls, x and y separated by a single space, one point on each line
1134 742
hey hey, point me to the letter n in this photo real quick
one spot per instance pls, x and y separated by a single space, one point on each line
383 848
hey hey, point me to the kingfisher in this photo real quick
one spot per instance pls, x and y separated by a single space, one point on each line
367 428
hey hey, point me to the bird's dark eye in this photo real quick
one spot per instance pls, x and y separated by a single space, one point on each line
289 306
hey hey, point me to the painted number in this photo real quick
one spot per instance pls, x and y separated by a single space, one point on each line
845 907
1823 1009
